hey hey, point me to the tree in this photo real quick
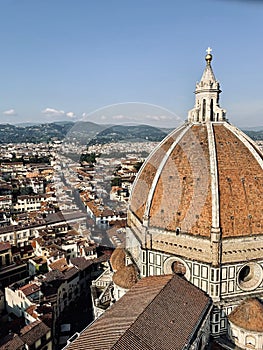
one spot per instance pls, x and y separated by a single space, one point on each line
116 181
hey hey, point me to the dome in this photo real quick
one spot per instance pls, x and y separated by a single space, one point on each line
202 176
202 187
117 259
248 315
126 277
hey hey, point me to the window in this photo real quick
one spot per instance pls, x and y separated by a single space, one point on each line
204 108
216 328
250 341
250 276
211 110
7 259
43 339
178 268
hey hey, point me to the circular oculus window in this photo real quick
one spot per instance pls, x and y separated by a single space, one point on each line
249 276
176 266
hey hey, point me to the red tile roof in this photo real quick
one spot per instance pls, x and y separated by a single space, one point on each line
30 288
60 265
11 342
117 259
34 331
248 315
126 277
159 312
183 183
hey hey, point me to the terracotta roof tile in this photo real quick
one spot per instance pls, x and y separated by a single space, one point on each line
34 331
11 342
182 195
126 277
248 315
184 185
60 265
31 311
117 259
146 176
154 305
30 288
240 185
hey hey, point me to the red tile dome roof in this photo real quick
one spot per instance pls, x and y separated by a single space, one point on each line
248 315
202 176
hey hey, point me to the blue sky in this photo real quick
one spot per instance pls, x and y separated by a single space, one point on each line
63 59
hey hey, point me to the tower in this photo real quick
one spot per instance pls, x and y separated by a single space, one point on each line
207 97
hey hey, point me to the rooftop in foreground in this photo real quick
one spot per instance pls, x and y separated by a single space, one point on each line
158 318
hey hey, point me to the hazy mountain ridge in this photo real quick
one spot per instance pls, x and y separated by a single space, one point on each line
119 133
84 131
34 133
255 135
89 133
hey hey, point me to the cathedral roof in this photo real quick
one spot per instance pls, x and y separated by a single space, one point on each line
248 315
158 312
202 176
206 176
126 276
117 259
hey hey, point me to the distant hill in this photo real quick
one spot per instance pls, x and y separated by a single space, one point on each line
26 124
255 135
253 128
167 130
88 133
84 132
118 133
33 133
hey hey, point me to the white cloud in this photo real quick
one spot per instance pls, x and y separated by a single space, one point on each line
159 117
56 113
10 112
70 114
52 112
